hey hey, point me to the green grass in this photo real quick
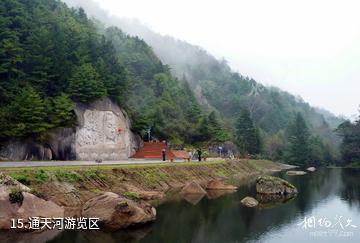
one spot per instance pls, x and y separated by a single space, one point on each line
68 176
22 177
41 176
110 167
131 195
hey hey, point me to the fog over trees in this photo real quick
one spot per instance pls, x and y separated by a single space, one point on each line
180 90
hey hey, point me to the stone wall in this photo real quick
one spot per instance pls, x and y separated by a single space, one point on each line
103 132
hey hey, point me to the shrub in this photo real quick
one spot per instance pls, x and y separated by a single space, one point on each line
41 176
16 196
23 179
131 195
68 176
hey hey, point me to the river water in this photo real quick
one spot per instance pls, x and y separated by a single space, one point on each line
327 209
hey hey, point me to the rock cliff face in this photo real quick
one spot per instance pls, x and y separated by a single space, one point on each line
103 132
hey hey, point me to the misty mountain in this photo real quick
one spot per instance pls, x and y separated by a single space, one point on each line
53 56
217 87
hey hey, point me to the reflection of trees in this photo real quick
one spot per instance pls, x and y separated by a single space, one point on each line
38 237
315 187
351 189
224 219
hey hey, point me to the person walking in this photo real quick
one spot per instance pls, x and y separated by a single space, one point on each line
163 154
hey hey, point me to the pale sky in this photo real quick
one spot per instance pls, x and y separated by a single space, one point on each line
310 48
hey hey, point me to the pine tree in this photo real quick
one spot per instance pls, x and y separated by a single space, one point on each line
350 133
85 84
299 152
27 114
247 134
63 111
217 132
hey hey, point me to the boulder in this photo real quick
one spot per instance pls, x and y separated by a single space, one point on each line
296 172
249 202
150 195
193 188
218 184
31 206
193 198
214 194
7 182
311 169
117 212
274 185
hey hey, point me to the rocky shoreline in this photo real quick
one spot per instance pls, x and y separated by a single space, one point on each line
129 190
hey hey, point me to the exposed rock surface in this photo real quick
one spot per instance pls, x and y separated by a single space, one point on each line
31 206
249 202
117 212
103 132
6 182
274 185
213 194
193 188
296 172
218 184
150 195
193 198
311 169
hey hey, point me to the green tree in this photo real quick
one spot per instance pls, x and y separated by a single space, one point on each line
247 134
350 146
63 111
216 130
85 84
27 115
299 152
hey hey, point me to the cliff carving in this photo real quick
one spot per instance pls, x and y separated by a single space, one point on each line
103 132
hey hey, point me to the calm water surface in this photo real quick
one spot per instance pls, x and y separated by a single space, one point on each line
328 195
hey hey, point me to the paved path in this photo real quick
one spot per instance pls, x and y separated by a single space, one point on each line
20 164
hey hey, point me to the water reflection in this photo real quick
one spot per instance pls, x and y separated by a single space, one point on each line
219 217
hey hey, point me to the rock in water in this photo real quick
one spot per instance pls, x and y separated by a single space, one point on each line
274 185
311 169
31 206
249 202
217 184
296 172
193 188
117 212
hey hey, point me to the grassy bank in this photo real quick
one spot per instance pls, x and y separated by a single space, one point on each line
72 186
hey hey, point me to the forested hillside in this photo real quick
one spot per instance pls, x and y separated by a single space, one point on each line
53 56
218 88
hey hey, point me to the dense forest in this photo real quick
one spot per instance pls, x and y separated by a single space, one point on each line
53 57
350 146
217 88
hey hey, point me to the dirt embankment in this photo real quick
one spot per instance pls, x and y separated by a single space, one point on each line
71 187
